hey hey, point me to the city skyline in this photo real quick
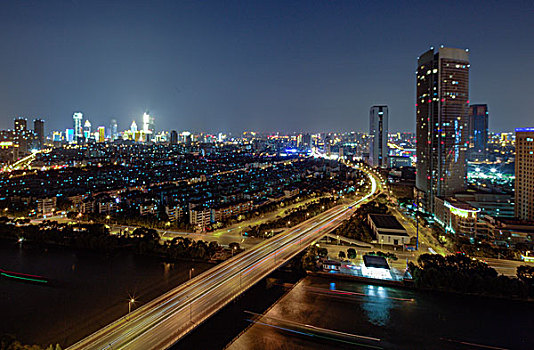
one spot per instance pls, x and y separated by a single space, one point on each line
254 174
301 70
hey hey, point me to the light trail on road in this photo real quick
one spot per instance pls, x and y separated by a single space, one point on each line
162 322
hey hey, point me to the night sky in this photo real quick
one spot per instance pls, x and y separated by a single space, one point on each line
251 65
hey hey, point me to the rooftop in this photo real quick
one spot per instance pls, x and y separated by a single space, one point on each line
386 221
375 261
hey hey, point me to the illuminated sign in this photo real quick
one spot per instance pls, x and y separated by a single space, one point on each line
523 129
5 144
464 213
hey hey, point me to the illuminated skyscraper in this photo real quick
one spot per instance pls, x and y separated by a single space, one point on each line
113 130
133 127
478 130
21 135
378 132
87 130
442 101
148 123
21 125
78 130
69 135
101 134
524 173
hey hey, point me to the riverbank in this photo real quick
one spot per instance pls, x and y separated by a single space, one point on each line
395 318
90 290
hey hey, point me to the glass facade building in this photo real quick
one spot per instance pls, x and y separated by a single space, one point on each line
478 131
442 100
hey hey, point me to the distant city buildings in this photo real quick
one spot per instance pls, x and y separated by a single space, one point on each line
524 173
38 128
87 130
133 127
78 129
378 133
20 137
174 137
113 130
442 100
101 134
478 131
148 124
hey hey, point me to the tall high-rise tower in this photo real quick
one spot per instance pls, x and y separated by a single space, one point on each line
378 132
38 128
133 127
21 125
174 137
148 123
478 130
87 130
524 173
78 129
20 135
442 101
101 134
113 130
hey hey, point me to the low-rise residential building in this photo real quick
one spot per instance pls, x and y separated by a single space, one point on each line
223 212
46 206
288 193
200 216
174 212
148 209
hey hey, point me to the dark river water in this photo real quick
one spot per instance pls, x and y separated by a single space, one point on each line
395 318
87 290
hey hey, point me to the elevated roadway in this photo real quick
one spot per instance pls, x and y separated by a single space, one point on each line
162 322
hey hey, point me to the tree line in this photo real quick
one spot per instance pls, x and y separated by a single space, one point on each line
462 274
96 237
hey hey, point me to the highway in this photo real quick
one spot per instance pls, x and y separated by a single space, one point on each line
162 322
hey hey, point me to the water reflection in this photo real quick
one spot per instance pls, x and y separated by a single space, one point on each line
377 305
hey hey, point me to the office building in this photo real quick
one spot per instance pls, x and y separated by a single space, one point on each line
148 124
306 140
113 130
524 173
21 136
78 129
21 125
478 131
174 137
38 128
378 132
69 135
87 130
101 134
442 92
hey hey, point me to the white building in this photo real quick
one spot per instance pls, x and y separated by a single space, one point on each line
388 230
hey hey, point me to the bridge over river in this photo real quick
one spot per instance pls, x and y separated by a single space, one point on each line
162 322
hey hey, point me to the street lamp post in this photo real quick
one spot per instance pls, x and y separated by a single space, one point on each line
191 272
130 303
